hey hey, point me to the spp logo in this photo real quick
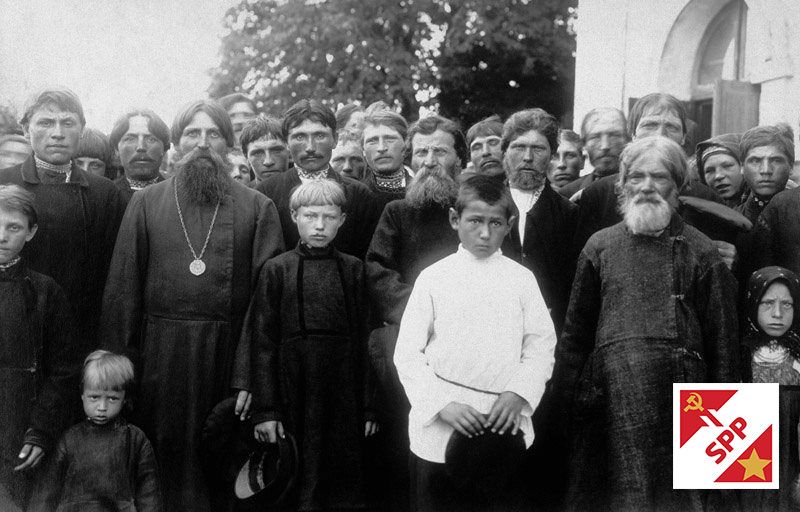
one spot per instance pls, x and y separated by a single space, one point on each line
725 436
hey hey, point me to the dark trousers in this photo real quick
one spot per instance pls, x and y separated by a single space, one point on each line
433 490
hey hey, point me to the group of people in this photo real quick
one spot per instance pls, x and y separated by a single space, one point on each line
438 321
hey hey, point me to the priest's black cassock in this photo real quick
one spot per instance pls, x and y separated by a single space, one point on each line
181 329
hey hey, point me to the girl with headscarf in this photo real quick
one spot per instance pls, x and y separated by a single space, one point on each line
773 345
719 166
771 333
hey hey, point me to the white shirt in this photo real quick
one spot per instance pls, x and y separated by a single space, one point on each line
481 323
525 200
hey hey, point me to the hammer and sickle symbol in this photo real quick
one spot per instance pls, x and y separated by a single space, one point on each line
694 403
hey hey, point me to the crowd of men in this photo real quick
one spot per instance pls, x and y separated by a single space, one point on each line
157 234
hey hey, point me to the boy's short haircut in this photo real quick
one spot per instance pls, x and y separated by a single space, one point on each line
488 127
344 113
488 189
386 117
308 110
107 371
14 198
61 97
229 100
94 144
571 137
259 127
318 193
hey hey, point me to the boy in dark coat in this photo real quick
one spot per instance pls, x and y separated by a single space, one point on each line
307 325
37 352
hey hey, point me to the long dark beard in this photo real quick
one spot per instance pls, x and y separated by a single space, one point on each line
203 177
432 188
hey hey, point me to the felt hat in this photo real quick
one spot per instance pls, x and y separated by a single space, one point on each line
269 473
225 444
485 461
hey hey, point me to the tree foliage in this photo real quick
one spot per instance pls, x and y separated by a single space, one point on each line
465 58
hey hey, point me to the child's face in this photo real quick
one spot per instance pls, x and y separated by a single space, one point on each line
318 225
14 233
776 310
481 227
102 405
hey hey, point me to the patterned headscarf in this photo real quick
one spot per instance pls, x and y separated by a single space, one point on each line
757 286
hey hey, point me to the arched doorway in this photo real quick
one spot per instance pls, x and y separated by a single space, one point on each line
703 64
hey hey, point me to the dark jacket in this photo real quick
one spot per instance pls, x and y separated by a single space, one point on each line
407 240
361 209
777 233
644 312
97 468
78 224
549 230
39 364
581 183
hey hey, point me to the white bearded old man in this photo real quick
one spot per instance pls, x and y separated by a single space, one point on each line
652 303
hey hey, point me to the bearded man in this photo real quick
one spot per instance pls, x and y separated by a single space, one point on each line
412 233
652 304
140 139
79 213
541 235
187 255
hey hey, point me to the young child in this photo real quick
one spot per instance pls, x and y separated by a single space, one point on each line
772 343
38 358
474 351
308 328
771 334
102 463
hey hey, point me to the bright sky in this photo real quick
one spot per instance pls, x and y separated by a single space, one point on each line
114 54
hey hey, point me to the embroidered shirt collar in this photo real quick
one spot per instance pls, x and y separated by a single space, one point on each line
394 181
65 169
6 266
312 175
139 185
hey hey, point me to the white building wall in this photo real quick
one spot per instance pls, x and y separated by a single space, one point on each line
625 49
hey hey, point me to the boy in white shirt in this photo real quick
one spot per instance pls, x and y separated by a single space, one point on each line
474 352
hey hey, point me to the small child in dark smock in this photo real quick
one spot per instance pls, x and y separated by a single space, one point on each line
102 463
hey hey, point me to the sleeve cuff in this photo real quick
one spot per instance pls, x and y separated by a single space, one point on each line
261 417
36 438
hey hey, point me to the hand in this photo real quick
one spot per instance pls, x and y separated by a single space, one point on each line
463 418
268 431
727 251
506 413
242 408
371 428
30 456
